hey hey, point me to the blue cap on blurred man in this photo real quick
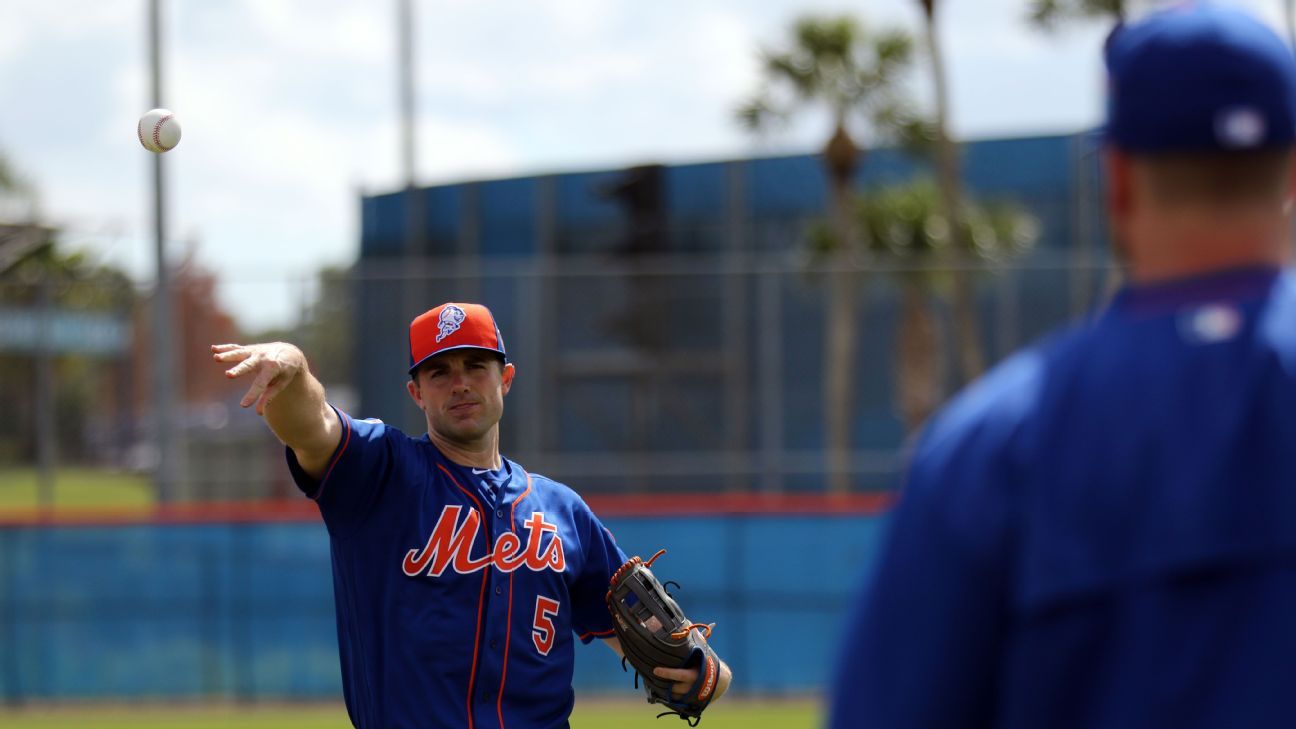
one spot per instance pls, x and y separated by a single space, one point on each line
1199 77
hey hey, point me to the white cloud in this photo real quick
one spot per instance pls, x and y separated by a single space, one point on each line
289 107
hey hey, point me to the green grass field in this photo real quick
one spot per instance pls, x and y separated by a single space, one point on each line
79 488
737 714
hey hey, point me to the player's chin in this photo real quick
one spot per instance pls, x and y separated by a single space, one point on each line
466 428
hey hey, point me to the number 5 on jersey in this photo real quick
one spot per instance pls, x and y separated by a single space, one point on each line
542 631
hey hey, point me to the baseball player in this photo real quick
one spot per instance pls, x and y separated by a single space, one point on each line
459 578
1102 532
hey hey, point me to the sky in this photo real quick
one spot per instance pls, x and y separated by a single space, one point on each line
290 108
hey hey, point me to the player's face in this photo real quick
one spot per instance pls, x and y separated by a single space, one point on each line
462 393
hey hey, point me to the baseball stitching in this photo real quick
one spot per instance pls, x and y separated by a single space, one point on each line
157 132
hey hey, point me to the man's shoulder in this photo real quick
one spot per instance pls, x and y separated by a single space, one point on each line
541 482
1000 398
371 426
548 488
993 411
371 433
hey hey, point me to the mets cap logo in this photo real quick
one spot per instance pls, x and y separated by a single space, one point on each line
452 317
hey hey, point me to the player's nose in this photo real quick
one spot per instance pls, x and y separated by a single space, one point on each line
458 380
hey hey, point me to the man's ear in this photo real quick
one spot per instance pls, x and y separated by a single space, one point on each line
414 392
1290 196
1119 181
506 377
1120 198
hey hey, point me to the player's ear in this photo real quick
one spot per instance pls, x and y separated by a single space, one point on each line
1120 197
506 377
1119 182
414 392
1289 198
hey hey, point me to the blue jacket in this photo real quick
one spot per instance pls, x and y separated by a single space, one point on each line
1100 533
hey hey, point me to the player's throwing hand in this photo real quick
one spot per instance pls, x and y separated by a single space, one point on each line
273 365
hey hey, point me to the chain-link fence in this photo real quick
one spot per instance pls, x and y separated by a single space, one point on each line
675 373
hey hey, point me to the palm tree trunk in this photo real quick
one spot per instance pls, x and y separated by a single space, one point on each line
840 159
967 327
839 353
918 364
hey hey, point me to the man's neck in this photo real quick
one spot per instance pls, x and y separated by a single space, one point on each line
483 453
1184 248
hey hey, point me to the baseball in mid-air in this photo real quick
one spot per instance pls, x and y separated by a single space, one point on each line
159 130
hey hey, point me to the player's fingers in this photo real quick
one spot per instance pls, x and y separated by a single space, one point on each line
271 391
684 678
262 381
249 363
232 355
225 347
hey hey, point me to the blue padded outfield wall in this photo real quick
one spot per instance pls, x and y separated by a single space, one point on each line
245 611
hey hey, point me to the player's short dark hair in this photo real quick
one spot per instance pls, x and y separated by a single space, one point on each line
1223 179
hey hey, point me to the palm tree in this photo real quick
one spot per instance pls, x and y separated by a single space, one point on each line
8 180
18 235
835 63
909 225
1048 14
967 330
18 200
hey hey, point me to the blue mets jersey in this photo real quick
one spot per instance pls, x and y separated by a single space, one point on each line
458 592
1101 533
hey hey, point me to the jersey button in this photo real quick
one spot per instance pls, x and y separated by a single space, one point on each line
499 589
499 513
494 644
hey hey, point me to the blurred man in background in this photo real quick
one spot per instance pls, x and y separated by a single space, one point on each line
1102 532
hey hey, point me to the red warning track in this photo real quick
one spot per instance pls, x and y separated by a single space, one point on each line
606 506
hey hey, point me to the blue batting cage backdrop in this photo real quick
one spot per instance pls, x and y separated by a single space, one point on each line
675 309
244 609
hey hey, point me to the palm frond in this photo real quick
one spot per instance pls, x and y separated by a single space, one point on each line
908 222
1049 15
758 113
795 70
833 62
894 52
9 180
826 38
1045 14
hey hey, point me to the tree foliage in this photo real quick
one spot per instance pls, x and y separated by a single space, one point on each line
838 63
905 225
1051 14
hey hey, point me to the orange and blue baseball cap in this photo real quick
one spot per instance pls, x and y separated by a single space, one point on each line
453 326
1199 77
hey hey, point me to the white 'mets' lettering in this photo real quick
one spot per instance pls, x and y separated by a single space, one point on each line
450 545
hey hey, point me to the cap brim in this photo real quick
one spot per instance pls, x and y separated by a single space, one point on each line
419 363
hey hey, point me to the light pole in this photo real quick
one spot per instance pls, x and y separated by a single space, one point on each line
411 293
164 422
1289 8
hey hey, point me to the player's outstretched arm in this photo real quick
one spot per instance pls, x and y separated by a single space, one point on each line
288 396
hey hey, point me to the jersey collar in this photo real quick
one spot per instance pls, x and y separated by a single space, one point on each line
1235 285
